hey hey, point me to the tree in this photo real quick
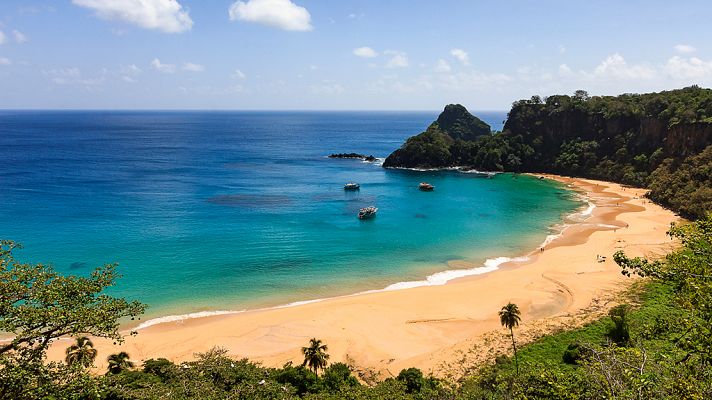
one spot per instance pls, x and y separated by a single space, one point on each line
619 332
38 305
81 353
119 362
315 356
337 376
509 317
413 379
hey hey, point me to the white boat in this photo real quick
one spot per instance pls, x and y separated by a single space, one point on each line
367 212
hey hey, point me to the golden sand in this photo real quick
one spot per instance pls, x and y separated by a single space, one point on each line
440 329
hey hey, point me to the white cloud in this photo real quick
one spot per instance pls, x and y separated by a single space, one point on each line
616 67
442 66
160 67
365 52
565 70
692 68
164 15
474 80
461 55
191 67
19 36
282 14
327 88
562 49
129 73
684 48
238 74
3 38
73 76
398 59
5 61
131 69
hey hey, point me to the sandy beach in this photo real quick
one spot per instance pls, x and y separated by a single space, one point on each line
440 329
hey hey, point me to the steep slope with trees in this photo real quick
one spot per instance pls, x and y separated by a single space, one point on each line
636 139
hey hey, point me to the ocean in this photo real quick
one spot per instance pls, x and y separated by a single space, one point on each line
208 211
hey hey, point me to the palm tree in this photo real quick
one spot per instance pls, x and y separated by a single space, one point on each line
81 353
315 355
509 316
119 362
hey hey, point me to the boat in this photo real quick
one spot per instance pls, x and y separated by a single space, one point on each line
352 186
367 212
426 187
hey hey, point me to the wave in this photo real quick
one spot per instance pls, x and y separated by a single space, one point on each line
589 210
441 278
463 170
378 162
183 317
436 279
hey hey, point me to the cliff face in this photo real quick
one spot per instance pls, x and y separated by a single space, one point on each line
636 135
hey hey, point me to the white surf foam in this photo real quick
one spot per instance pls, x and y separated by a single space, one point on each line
183 317
299 303
589 210
441 278
378 162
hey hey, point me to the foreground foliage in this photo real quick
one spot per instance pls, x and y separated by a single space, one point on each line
37 305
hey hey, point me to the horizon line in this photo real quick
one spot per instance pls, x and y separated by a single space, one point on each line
233 110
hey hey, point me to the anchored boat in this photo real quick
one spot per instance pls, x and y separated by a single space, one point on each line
367 212
426 187
352 186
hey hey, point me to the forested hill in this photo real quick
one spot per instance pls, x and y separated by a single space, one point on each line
657 140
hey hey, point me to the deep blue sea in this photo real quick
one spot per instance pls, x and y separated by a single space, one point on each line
234 210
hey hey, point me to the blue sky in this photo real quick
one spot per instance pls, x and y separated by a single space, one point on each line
359 55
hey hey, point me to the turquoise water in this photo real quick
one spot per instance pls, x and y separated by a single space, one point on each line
234 210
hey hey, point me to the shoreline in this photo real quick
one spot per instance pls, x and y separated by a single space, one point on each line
422 326
467 268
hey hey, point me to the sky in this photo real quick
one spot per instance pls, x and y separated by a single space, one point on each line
343 55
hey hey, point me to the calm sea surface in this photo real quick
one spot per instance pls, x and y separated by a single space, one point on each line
232 210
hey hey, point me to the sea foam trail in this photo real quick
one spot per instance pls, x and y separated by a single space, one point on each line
589 210
183 317
441 278
436 279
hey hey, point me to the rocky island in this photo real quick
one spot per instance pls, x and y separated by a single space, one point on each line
369 158
654 140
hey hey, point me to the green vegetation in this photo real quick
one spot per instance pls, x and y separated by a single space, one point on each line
37 305
434 148
655 140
